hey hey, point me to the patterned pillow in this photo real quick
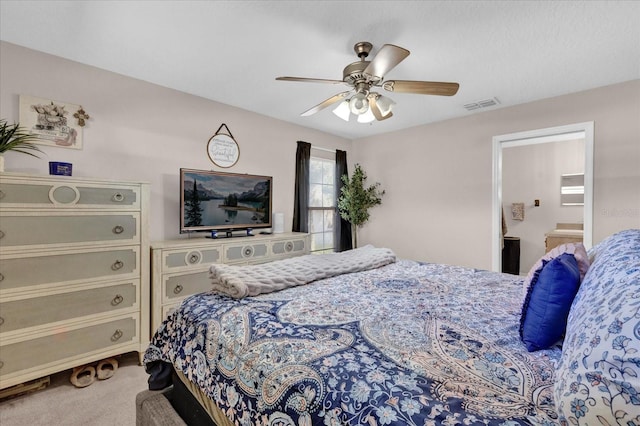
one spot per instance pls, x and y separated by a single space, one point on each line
576 249
546 307
598 376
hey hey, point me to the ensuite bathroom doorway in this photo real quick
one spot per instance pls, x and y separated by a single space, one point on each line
528 206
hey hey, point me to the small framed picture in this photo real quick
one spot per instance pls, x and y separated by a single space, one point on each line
52 121
517 211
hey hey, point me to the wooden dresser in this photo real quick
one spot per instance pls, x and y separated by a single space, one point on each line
180 268
74 273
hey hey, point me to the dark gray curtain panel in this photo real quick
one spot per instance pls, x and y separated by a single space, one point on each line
301 196
342 228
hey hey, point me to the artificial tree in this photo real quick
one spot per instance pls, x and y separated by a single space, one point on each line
356 199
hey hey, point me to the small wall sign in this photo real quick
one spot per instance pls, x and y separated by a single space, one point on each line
223 149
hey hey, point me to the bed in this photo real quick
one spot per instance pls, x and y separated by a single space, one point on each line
405 343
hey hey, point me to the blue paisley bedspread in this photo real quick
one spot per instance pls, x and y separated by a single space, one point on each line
405 344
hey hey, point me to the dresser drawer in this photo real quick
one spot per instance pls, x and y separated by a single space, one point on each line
21 271
190 258
28 229
32 193
286 247
240 252
56 347
36 311
185 284
169 309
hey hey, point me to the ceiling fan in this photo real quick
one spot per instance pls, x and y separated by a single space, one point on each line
365 75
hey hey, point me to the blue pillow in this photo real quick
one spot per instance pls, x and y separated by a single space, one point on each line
547 303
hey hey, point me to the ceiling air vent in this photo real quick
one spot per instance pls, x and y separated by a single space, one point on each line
485 103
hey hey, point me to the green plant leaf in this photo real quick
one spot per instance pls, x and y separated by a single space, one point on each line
18 139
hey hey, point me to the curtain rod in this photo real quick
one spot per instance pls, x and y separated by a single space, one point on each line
323 149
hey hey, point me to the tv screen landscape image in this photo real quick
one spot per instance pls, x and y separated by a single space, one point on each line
213 201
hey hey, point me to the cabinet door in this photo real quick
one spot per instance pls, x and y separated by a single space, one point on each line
62 229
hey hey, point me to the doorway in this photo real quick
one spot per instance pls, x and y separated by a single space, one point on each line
533 137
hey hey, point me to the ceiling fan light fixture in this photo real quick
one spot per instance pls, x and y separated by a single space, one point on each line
359 104
385 105
342 110
367 117
364 75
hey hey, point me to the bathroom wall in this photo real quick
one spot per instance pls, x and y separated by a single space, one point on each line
533 172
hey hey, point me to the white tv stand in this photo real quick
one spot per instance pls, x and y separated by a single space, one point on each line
180 268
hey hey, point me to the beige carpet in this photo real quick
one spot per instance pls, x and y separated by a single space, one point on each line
108 402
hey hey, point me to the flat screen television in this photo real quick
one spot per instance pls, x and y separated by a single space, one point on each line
221 201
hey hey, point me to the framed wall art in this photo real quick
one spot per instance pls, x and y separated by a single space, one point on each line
53 121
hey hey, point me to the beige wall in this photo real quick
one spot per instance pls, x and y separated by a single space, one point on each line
438 177
141 131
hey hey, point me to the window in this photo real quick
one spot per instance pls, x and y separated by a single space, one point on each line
322 204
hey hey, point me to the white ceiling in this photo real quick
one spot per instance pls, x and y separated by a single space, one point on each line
231 51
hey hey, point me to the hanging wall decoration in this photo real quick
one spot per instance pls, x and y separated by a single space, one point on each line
52 121
81 116
222 148
517 211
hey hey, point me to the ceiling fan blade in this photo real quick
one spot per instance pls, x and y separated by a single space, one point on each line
322 105
421 87
385 60
309 80
373 104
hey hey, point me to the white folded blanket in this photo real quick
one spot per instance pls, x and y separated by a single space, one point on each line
240 281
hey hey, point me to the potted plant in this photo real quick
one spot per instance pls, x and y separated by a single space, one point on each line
16 138
356 199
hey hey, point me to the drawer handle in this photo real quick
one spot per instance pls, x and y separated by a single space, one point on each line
1 364
288 246
1 234
1 277
177 289
1 195
118 229
116 335
118 264
1 320
118 197
117 300
194 258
